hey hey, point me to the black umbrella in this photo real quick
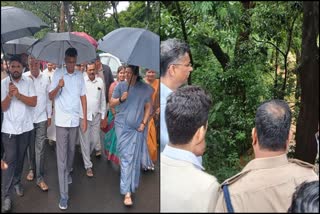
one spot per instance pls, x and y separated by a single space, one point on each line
134 46
18 46
52 48
17 23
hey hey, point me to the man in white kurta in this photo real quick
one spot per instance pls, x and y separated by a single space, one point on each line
96 108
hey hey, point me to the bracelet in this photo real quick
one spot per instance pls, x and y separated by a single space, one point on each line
19 96
143 123
120 100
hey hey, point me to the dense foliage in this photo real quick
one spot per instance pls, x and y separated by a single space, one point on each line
243 53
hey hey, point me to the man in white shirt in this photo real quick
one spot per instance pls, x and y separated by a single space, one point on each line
49 71
105 73
185 187
18 97
41 119
175 68
68 90
96 108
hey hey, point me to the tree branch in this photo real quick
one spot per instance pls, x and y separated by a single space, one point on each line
270 44
222 57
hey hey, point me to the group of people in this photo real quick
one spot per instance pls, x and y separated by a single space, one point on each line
84 104
88 108
269 183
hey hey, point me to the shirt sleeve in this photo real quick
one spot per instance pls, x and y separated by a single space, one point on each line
49 102
32 89
103 103
4 88
116 92
55 80
83 86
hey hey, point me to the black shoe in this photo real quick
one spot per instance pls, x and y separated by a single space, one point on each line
6 206
19 190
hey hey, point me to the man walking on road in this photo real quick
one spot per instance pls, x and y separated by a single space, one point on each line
67 89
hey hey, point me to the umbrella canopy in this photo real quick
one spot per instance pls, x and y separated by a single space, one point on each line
17 23
87 37
18 46
52 48
135 46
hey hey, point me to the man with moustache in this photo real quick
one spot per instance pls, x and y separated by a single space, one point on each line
17 99
96 108
41 120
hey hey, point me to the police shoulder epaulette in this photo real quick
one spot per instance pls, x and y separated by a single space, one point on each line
235 177
301 163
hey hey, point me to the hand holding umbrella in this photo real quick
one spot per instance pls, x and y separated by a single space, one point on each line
123 97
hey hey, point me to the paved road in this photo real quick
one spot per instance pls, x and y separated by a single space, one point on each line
98 194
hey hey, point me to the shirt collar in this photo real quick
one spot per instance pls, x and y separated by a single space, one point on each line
265 163
65 72
181 154
86 77
164 91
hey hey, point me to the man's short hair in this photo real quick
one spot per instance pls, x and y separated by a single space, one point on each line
306 198
92 62
71 52
16 58
171 50
186 111
273 120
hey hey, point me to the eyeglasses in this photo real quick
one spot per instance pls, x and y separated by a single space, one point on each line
187 65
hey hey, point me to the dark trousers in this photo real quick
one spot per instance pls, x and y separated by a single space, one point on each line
15 149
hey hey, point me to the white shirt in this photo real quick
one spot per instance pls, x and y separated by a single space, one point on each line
67 101
164 137
17 119
49 73
43 109
96 99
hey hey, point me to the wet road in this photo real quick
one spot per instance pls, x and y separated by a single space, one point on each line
98 194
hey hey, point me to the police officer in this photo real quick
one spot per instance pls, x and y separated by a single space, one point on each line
267 183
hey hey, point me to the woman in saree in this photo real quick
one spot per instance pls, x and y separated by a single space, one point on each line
133 100
110 139
149 154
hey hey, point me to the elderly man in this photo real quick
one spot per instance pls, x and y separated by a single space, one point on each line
17 99
96 108
41 120
104 72
185 187
68 90
267 183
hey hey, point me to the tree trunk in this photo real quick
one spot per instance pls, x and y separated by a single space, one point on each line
306 147
276 75
62 17
184 33
115 12
67 14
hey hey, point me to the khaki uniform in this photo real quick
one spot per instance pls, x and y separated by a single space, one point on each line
266 185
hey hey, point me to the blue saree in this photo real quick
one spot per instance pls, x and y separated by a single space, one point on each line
129 117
